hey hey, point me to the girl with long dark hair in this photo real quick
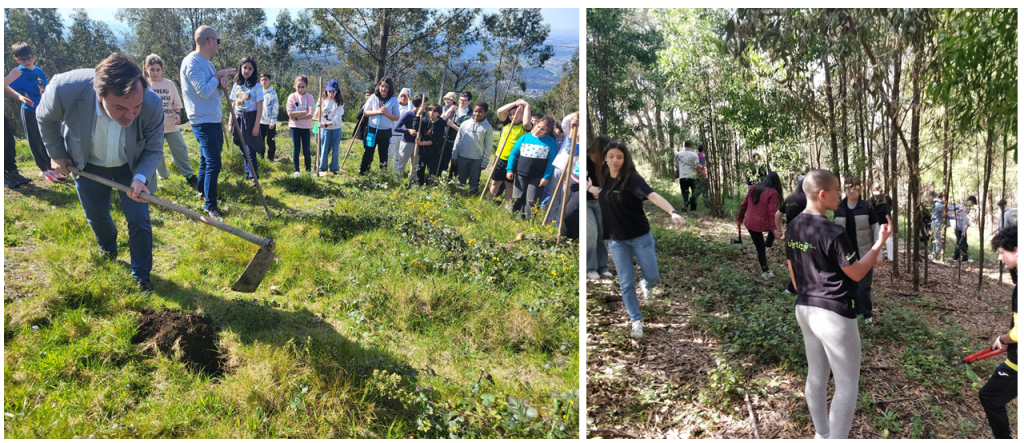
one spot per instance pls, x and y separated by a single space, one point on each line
757 213
246 113
381 110
597 248
627 228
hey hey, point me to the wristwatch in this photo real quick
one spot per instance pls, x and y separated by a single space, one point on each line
674 212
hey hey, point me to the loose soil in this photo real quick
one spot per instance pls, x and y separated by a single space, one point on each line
193 333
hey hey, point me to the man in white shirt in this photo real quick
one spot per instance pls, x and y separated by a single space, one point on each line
686 164
106 121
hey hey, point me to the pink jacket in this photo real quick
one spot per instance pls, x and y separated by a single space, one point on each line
301 103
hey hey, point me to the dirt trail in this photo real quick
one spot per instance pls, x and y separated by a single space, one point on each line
651 388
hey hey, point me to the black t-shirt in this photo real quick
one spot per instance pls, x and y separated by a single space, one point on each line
1011 349
624 219
882 205
793 206
818 250
592 173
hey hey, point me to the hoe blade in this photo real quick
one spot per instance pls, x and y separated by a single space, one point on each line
257 269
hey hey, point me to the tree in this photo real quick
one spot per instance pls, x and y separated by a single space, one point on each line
89 41
515 42
564 97
379 42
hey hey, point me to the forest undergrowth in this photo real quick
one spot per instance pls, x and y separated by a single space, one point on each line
720 341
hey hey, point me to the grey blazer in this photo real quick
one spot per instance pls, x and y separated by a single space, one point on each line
67 114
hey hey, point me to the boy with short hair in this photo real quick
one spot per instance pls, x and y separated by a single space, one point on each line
30 86
963 222
513 116
473 147
819 255
1001 388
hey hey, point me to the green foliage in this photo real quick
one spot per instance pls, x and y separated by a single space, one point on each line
515 42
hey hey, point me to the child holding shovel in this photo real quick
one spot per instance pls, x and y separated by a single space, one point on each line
531 163
247 110
330 111
1001 388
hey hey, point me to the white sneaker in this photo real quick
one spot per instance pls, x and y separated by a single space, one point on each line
593 276
867 320
296 174
46 175
968 261
607 274
638 329
643 289
767 275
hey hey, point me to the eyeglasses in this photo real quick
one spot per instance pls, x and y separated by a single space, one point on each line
25 59
217 39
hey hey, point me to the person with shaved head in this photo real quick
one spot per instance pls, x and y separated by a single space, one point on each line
821 263
201 85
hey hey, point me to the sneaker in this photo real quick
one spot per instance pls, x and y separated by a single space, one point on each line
49 177
10 182
192 181
643 289
109 255
57 174
867 320
252 183
21 179
638 329
215 213
968 261
593 276
296 174
144 284
607 274
767 275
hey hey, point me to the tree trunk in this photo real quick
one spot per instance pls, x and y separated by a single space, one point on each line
843 107
831 115
913 184
1003 192
984 193
893 111
382 50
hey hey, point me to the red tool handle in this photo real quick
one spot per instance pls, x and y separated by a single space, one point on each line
981 355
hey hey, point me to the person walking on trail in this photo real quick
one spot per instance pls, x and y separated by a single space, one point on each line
791 208
300 123
106 121
331 109
246 113
472 148
856 216
688 164
28 86
963 221
1001 388
939 220
12 177
201 86
268 124
1006 217
516 122
757 214
381 111
597 247
531 164
627 229
820 256
154 70
882 204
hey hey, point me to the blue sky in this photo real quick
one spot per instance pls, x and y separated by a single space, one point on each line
567 19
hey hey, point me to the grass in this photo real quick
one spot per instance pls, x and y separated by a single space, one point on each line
391 312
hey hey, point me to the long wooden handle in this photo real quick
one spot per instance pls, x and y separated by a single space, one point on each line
565 192
497 156
254 239
350 142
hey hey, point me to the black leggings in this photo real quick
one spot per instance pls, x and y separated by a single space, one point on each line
760 244
997 392
268 132
382 140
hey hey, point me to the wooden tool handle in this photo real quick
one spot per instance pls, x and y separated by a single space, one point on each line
252 238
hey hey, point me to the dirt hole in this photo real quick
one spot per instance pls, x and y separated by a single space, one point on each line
193 333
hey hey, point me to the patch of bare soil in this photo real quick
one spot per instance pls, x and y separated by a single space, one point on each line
651 387
192 333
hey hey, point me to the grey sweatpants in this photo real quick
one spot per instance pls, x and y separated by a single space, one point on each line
403 153
179 152
470 169
832 343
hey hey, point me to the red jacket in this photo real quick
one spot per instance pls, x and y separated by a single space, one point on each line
760 216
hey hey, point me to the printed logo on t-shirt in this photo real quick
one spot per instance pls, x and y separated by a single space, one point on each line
851 256
803 246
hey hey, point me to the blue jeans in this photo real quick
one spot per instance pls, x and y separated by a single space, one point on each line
623 252
329 141
597 250
211 142
95 199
